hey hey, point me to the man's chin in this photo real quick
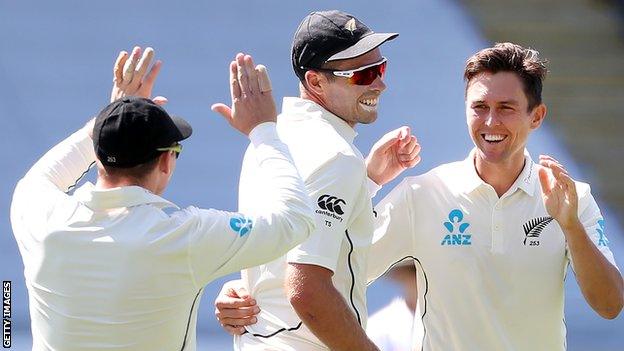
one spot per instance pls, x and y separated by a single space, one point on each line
368 118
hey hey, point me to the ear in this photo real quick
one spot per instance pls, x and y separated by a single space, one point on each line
315 82
538 115
165 162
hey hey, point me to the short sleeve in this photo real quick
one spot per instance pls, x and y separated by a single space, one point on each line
593 222
335 187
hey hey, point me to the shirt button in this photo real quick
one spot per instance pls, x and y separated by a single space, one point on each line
496 227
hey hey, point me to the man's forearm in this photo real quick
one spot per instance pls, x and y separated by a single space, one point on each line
325 312
600 282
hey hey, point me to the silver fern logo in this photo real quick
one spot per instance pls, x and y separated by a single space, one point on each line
533 229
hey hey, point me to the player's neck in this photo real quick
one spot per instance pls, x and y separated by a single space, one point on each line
104 183
500 175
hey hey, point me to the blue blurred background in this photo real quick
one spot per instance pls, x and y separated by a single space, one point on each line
56 62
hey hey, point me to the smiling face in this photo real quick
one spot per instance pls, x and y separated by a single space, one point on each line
353 103
498 118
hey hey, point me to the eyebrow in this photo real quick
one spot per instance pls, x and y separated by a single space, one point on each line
509 102
505 102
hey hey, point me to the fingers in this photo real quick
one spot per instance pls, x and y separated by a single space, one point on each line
150 79
389 140
160 100
235 89
237 316
411 163
404 134
144 62
241 292
410 156
408 149
128 70
235 309
408 145
263 79
251 72
558 171
118 67
140 69
243 78
234 320
545 182
249 106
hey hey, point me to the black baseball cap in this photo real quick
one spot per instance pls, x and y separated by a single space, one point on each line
129 131
325 36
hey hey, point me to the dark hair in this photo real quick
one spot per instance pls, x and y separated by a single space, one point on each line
137 173
509 57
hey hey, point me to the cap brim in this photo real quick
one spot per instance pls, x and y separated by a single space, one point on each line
363 46
183 126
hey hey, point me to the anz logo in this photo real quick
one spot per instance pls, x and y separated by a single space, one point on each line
241 225
602 240
457 230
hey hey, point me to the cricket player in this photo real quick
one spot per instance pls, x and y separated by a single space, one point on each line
115 266
493 235
323 305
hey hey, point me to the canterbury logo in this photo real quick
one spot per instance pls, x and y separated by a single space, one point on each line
331 204
534 227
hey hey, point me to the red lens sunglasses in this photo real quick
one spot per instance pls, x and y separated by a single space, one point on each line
364 75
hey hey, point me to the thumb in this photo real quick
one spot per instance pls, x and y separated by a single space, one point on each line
160 100
404 134
386 141
223 110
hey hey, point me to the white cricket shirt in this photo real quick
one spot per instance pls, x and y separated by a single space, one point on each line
334 172
395 328
111 270
490 270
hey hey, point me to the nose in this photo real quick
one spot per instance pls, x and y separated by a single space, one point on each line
378 85
491 119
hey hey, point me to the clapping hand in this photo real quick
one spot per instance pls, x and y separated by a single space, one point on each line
558 192
129 75
252 100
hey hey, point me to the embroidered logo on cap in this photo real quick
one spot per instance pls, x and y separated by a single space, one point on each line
350 26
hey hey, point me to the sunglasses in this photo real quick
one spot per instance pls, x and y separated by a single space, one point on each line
177 148
364 75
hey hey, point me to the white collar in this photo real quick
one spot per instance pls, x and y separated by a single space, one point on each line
469 180
125 196
308 109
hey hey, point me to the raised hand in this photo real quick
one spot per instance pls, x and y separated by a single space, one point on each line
395 152
129 75
558 192
235 308
252 100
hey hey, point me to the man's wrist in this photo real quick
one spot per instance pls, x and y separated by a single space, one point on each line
571 227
